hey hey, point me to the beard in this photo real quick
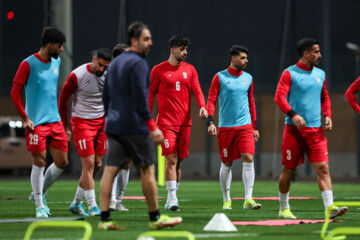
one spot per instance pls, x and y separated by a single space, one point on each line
54 55
99 73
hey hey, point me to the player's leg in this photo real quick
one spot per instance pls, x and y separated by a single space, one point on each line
122 181
292 156
56 168
248 178
112 204
318 156
225 176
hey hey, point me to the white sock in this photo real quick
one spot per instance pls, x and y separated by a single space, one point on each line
171 187
79 196
248 178
284 200
327 198
123 180
51 174
114 186
90 198
177 186
37 184
225 176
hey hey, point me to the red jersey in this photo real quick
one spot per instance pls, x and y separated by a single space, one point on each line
173 85
350 95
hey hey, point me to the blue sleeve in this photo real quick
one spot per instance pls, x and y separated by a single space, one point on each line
105 97
140 80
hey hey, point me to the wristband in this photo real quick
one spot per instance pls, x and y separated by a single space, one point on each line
291 113
210 120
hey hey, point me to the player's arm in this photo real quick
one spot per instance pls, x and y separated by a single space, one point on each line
326 107
199 96
350 95
154 87
67 91
252 110
140 93
211 103
20 81
282 91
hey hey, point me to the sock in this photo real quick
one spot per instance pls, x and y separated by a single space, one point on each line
284 200
123 180
327 198
51 174
90 198
105 216
37 184
177 186
248 178
79 195
225 176
171 187
114 186
154 215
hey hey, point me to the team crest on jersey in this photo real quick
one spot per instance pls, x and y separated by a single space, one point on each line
55 70
244 83
185 75
318 79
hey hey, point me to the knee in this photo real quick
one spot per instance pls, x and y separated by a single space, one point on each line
62 164
171 162
247 157
323 169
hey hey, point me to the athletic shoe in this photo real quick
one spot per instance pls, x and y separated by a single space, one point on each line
41 213
78 209
95 211
227 205
251 205
164 221
47 209
172 205
337 211
109 225
112 205
286 213
121 207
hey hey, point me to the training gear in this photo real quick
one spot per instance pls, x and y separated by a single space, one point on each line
78 209
286 213
165 221
47 209
251 205
227 205
41 213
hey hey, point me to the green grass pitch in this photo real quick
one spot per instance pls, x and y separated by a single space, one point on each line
199 201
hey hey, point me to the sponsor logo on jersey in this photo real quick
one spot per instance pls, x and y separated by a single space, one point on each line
169 75
55 70
185 75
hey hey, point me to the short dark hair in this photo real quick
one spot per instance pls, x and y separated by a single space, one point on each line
305 44
235 50
104 53
52 35
178 41
119 49
134 31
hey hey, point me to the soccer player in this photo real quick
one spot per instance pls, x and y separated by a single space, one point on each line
130 128
172 82
38 74
237 124
85 85
350 95
122 178
302 95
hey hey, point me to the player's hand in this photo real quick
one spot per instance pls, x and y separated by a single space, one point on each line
299 121
157 136
203 113
68 134
256 135
28 124
212 130
328 124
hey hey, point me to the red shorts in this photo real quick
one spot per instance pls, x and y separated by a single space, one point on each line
89 136
235 140
176 140
296 143
52 134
